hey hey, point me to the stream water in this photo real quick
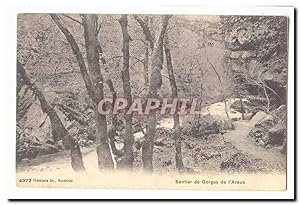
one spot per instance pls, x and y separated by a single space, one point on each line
238 136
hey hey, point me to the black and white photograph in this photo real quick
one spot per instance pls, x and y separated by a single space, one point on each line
174 100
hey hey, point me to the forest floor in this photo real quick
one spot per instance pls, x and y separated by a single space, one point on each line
231 152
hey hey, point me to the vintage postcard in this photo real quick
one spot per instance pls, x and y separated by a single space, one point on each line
153 101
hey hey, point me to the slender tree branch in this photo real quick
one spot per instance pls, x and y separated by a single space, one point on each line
73 19
75 48
146 31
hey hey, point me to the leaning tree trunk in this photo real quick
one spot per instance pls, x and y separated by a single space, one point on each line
154 86
58 129
94 86
128 139
177 133
92 45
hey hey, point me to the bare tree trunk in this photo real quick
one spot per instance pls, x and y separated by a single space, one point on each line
128 140
103 151
147 33
92 45
146 58
177 133
112 132
146 66
94 86
79 57
149 41
155 84
58 129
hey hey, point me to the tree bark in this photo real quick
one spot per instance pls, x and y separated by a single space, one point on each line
177 133
149 41
146 66
94 86
146 31
79 57
92 45
155 84
58 129
112 131
128 140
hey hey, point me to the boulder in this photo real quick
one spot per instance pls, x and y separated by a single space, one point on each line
269 130
236 162
260 117
28 148
258 134
209 155
266 123
267 134
25 149
207 125
225 124
276 135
